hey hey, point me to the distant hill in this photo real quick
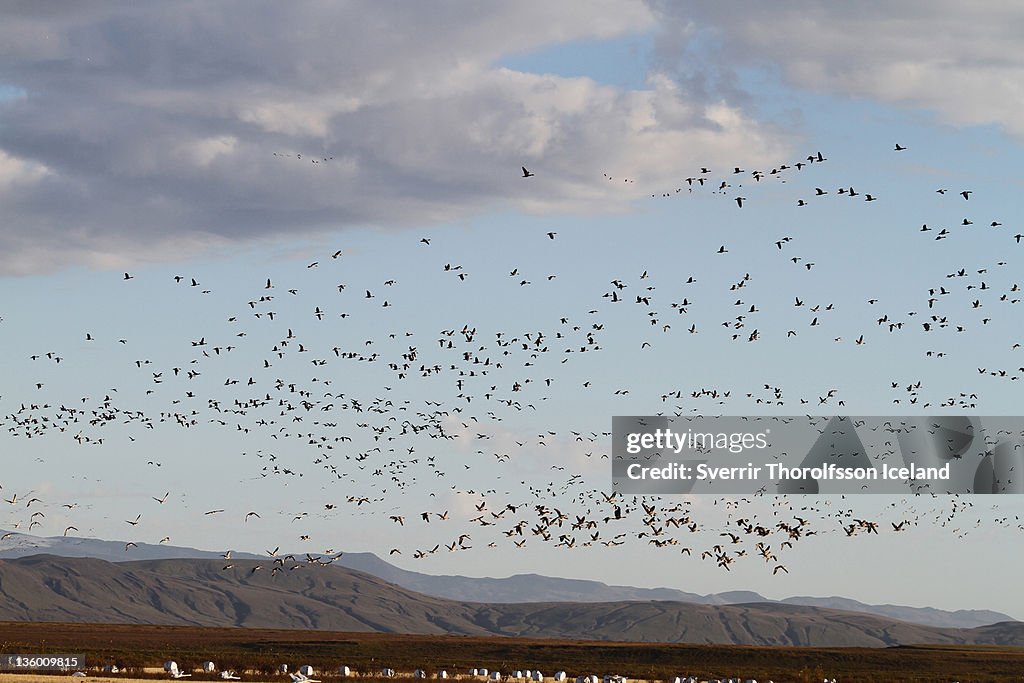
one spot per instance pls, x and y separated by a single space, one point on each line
23 545
927 616
512 589
518 588
202 592
539 588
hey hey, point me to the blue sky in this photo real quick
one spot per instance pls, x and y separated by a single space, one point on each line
164 142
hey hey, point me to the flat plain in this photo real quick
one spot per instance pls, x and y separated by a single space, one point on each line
258 652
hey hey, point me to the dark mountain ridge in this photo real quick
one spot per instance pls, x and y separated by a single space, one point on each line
511 589
250 593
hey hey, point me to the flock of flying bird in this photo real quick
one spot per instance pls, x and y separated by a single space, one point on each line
435 409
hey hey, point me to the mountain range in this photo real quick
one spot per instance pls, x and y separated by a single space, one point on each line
204 592
521 588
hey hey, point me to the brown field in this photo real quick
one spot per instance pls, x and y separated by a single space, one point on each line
258 652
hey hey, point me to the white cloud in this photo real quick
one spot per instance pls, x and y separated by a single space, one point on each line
14 171
963 60
159 124
205 151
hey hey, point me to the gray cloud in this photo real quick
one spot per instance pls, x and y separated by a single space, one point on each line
150 131
963 60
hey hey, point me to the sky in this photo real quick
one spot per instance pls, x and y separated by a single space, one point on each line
289 264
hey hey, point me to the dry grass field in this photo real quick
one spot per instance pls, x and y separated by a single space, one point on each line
256 653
